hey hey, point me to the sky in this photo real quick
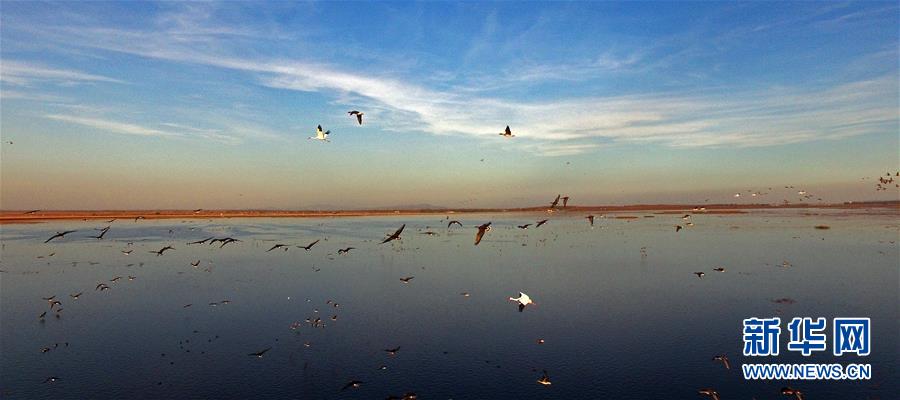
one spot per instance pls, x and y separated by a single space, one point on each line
172 105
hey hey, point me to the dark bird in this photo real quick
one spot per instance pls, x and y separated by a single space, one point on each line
31 212
507 133
54 303
347 250
407 279
541 222
358 115
788 391
101 287
43 314
259 354
162 250
127 252
719 269
711 393
195 263
202 241
481 230
227 241
76 295
449 224
555 202
524 226
49 298
102 232
590 219
352 384
545 379
51 379
309 246
58 235
278 246
724 359
394 236
138 217
565 200
678 228
700 274
393 351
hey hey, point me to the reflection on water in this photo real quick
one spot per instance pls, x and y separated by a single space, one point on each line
619 309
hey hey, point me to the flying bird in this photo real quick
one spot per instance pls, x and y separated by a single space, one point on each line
352 384
507 133
393 351
358 115
481 230
407 279
347 250
541 222
711 393
700 274
162 250
321 135
278 246
545 379
565 200
590 219
58 235
76 295
203 241
394 236
724 359
678 228
555 202
788 391
309 246
449 224
259 354
719 269
102 232
523 300
523 226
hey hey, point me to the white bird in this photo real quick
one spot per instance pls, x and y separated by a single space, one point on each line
320 135
523 300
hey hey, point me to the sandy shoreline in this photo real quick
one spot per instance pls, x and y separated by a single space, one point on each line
27 216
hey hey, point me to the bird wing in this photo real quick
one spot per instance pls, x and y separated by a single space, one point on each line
508 132
359 117
480 234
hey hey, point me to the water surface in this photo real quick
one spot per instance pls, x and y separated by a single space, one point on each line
618 307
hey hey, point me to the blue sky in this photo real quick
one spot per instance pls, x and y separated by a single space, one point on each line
186 105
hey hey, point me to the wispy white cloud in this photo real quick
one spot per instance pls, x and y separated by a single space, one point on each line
22 73
124 128
746 118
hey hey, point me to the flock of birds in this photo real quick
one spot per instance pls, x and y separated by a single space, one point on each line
522 300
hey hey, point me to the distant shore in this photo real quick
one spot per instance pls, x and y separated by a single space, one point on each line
31 216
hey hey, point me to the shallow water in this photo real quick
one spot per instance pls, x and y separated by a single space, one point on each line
616 323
